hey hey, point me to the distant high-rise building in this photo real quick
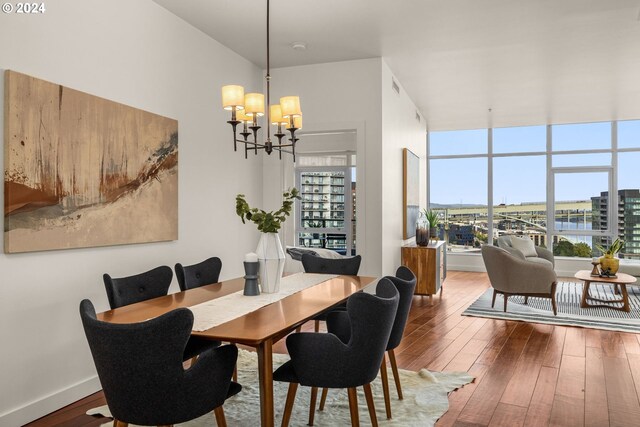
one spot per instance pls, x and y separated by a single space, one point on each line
458 234
627 223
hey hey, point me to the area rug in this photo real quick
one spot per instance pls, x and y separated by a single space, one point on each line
425 399
568 297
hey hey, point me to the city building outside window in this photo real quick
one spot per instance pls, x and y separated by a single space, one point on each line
326 213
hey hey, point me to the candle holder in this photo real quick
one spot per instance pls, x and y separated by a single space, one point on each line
251 278
595 271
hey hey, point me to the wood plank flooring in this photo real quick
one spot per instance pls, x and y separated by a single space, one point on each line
526 374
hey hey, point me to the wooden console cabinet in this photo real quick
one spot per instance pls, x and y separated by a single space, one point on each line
429 264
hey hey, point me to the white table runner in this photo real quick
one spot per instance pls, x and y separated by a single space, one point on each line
221 310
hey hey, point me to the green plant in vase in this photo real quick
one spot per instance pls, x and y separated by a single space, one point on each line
609 264
267 222
433 218
269 250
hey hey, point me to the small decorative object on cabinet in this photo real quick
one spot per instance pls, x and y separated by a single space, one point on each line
433 219
422 231
429 264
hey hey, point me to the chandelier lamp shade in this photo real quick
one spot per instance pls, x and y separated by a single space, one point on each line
247 108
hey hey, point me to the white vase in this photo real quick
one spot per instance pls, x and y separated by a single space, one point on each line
271 258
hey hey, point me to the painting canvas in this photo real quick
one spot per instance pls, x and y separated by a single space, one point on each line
411 193
83 171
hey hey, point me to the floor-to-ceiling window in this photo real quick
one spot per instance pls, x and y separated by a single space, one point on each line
462 203
566 187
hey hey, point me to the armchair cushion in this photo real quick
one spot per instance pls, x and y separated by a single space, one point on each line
524 245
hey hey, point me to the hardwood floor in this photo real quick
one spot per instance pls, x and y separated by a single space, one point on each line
526 374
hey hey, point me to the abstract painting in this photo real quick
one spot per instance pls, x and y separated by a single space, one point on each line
411 192
82 171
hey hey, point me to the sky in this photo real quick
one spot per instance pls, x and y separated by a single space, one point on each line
523 178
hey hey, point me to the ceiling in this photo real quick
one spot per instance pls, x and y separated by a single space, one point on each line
465 63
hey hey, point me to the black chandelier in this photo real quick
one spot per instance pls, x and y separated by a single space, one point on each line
246 108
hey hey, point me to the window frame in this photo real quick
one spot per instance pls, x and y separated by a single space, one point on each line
611 169
347 229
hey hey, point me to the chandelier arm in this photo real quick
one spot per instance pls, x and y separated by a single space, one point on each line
234 124
280 135
252 144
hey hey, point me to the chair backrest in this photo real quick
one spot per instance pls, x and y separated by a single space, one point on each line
196 275
345 266
405 283
139 363
141 287
498 262
504 242
371 318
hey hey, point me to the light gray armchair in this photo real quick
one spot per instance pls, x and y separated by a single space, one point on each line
543 256
511 275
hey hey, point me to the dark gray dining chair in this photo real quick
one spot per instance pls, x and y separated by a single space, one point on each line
405 283
323 360
317 264
196 275
344 266
139 287
140 368
154 283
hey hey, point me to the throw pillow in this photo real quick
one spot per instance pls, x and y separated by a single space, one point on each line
524 245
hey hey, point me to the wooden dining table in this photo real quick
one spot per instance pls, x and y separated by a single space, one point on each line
259 329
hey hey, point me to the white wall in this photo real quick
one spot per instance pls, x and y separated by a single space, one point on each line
338 96
400 129
360 92
141 55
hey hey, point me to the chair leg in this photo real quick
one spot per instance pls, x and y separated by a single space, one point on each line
396 375
323 398
385 386
506 298
493 300
235 373
553 298
370 406
288 406
220 419
317 326
526 299
312 405
353 407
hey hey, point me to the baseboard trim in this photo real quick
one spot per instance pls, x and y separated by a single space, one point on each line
51 403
